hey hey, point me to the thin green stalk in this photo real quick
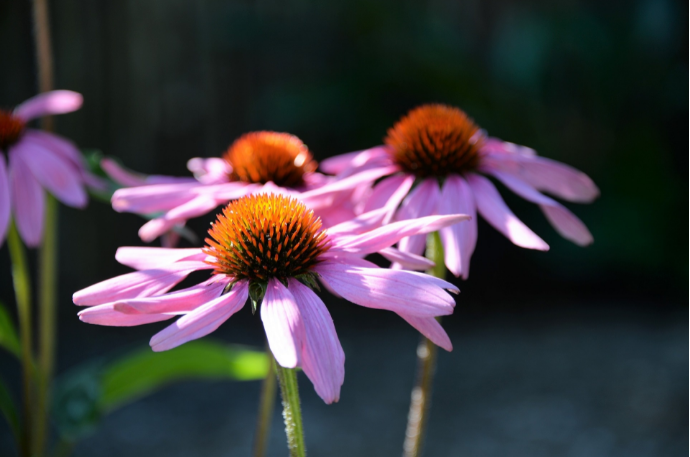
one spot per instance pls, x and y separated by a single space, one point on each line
266 405
426 366
292 414
47 299
22 292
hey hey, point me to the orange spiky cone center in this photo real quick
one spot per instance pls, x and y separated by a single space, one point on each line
260 157
265 236
11 129
435 140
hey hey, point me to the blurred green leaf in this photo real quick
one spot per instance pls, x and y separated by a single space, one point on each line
8 333
9 410
144 371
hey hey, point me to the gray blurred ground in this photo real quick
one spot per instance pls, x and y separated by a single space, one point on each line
585 382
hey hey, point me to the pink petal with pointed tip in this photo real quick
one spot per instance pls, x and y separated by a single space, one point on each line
422 201
121 175
180 301
144 258
492 208
28 201
430 328
323 359
458 240
107 315
380 288
48 103
407 260
283 324
153 198
5 202
201 321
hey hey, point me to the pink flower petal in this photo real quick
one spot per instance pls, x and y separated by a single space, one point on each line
180 301
28 201
383 237
107 315
354 160
407 260
193 208
323 359
492 208
201 321
367 176
145 258
422 201
64 148
283 324
133 285
458 240
360 224
5 204
153 198
388 194
380 288
565 222
54 173
211 170
48 103
121 175
430 328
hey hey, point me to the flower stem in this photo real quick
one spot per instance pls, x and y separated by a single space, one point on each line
426 366
292 414
22 292
266 405
47 311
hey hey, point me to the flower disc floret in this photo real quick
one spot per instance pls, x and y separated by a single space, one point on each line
266 236
260 157
435 140
11 129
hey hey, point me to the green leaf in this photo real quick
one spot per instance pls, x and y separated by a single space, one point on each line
8 333
257 290
144 371
9 410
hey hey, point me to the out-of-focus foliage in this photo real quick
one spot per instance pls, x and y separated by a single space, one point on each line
8 333
9 410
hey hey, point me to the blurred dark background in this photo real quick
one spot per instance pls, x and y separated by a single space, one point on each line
574 352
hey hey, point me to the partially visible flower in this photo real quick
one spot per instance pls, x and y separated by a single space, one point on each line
272 249
439 148
37 160
256 161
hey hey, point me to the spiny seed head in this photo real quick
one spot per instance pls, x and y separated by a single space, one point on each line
265 236
260 157
435 140
11 129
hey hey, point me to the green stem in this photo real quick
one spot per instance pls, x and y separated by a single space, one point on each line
47 312
292 414
266 405
22 292
418 415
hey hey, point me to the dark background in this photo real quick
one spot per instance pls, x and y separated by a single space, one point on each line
574 352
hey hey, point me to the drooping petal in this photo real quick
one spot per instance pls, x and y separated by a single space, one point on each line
57 175
145 258
422 201
64 148
380 288
323 359
28 201
5 204
565 222
107 315
430 328
383 237
138 284
48 103
407 260
388 194
458 240
492 208
180 301
193 208
283 324
201 321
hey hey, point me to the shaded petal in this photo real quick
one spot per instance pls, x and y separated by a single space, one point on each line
492 208
407 260
55 174
180 301
283 324
144 258
107 315
64 148
323 359
153 198
422 201
458 240
193 208
48 103
389 193
201 321
349 183
430 328
380 288
5 204
28 201
209 170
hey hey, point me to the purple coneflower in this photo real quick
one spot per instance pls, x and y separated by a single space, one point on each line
441 149
272 248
